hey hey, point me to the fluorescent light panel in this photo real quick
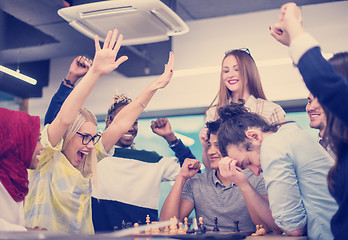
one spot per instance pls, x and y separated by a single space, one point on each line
18 75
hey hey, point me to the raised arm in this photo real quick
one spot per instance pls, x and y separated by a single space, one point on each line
78 68
162 127
257 205
126 117
203 138
104 62
174 205
321 79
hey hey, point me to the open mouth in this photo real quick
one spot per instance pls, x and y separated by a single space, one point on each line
80 156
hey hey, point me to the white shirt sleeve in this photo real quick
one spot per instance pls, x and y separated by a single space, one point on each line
301 45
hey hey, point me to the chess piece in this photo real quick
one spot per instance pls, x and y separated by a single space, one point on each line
257 231
123 224
216 228
129 225
262 231
155 230
136 225
147 231
173 227
180 229
186 224
166 230
236 227
201 228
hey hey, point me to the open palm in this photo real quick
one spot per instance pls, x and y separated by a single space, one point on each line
105 58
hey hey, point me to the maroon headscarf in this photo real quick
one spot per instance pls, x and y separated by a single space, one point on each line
19 134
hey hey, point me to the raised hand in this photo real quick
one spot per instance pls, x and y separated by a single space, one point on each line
161 127
229 170
105 58
203 138
78 68
164 79
189 168
290 24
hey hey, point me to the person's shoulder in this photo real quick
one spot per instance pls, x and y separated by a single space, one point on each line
141 155
269 104
210 114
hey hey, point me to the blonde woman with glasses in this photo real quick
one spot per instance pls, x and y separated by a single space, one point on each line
240 79
60 188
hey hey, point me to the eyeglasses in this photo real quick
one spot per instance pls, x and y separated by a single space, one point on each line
87 138
239 49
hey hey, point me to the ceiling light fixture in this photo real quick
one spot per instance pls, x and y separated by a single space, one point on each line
18 75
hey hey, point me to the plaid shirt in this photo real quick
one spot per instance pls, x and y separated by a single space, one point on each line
271 111
59 197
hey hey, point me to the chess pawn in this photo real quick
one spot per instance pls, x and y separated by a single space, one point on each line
186 224
201 227
257 233
166 230
136 232
155 230
180 229
262 231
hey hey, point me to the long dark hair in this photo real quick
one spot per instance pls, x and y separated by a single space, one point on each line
235 121
336 131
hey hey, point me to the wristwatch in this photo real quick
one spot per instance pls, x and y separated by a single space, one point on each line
174 143
68 82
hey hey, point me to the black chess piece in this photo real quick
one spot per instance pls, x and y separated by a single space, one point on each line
216 228
123 224
236 228
129 225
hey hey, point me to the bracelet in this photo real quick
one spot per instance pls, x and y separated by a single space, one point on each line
141 104
69 83
174 143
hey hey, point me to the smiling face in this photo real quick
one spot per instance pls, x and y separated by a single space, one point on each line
316 114
230 74
127 139
75 151
213 151
246 158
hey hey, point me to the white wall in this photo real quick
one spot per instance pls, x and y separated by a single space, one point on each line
203 48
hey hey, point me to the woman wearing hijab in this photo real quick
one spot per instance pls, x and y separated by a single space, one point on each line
19 150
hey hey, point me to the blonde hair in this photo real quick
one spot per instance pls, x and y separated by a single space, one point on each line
89 164
249 75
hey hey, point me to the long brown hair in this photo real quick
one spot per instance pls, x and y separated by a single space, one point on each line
249 75
336 131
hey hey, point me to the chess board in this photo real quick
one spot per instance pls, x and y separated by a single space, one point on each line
207 235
